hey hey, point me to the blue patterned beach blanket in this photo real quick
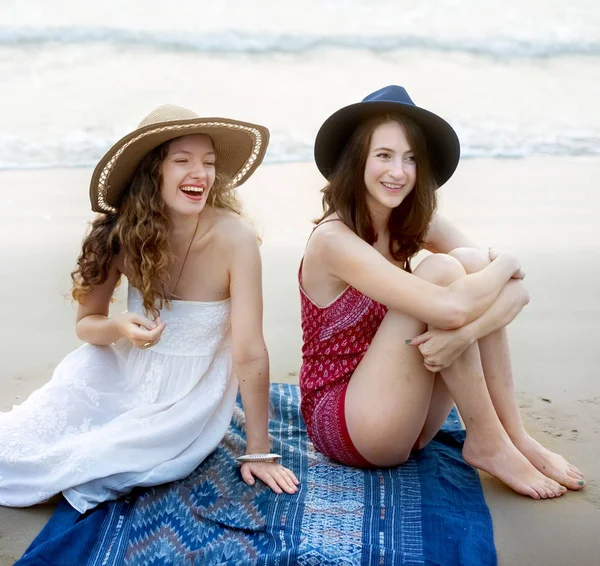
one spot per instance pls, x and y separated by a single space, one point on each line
428 511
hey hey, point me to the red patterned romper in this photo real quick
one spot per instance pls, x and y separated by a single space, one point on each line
335 338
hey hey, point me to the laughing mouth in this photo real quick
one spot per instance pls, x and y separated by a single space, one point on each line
192 190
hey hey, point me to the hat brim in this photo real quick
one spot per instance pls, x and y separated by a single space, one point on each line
442 141
239 146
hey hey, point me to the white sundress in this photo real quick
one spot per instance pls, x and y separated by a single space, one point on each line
114 417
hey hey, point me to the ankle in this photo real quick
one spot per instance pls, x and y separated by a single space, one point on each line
488 438
519 437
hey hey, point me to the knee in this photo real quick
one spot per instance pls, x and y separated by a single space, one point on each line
471 259
441 269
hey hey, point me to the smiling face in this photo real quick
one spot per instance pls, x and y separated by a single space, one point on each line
390 169
188 174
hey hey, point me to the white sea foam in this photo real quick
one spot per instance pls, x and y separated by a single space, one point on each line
515 78
244 43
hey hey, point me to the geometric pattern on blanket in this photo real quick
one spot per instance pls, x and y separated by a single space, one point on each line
208 519
428 511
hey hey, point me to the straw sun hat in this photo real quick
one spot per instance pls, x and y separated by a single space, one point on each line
239 146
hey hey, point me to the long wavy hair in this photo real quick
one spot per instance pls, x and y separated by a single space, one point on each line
346 193
141 229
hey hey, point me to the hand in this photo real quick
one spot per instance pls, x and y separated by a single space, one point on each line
441 348
140 331
519 273
272 474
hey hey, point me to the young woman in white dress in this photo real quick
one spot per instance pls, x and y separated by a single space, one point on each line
151 393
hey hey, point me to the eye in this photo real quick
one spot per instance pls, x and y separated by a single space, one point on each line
410 158
181 160
383 155
209 163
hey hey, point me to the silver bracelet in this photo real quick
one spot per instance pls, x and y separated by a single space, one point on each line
258 458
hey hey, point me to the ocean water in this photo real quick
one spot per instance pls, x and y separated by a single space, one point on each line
514 77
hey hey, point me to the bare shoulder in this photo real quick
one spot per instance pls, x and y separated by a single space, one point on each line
329 237
233 230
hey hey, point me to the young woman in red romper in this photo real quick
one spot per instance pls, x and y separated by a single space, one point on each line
387 352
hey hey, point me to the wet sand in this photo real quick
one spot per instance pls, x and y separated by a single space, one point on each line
543 209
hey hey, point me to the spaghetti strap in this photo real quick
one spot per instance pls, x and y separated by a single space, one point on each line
311 233
321 224
327 220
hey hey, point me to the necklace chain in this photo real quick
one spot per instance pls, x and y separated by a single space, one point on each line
173 293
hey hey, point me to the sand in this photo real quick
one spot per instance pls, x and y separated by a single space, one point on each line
543 209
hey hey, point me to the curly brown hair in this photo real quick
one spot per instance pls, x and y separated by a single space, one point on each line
346 191
141 229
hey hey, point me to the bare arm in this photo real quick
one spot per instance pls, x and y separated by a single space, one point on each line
443 237
94 326
440 348
354 261
250 356
509 304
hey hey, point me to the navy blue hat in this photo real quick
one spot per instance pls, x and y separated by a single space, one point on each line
442 141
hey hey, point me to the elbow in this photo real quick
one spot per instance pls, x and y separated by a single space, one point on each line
80 330
452 316
251 356
520 296
456 317
524 296
455 309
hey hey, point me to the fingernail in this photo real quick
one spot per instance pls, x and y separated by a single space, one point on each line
408 341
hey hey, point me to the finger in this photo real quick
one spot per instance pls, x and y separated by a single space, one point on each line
424 351
157 332
418 340
284 481
293 481
142 321
270 481
139 342
140 334
292 476
247 475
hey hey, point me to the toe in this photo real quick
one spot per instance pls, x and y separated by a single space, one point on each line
575 471
575 483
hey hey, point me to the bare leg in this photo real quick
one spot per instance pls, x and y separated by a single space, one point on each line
495 358
487 445
390 399
439 408
411 403
497 368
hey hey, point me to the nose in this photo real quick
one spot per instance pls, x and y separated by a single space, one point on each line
397 170
198 171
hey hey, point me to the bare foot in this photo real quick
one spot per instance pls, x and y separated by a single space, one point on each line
502 459
550 464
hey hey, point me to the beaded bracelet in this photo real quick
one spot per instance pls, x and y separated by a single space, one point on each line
258 458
